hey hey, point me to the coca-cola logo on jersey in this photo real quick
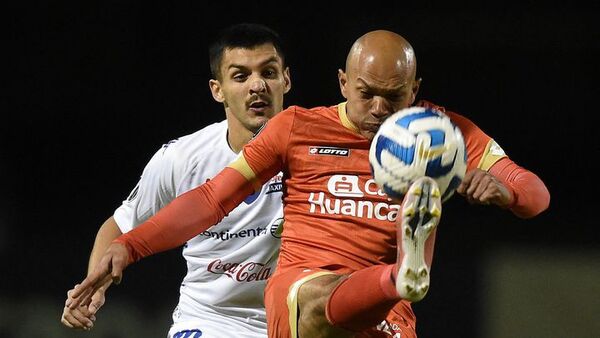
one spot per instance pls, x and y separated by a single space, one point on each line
240 272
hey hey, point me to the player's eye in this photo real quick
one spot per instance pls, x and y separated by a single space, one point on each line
365 94
270 73
240 77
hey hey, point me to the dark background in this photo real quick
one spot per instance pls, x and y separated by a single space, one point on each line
94 89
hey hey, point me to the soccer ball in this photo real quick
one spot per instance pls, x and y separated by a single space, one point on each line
416 142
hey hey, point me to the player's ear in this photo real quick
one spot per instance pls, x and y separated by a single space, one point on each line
215 89
342 79
415 90
287 80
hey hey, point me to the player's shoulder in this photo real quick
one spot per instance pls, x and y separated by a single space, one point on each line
205 140
199 138
454 116
298 112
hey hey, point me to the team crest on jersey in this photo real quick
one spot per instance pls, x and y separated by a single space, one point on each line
276 228
329 151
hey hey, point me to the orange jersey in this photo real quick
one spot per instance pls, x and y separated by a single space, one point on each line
335 215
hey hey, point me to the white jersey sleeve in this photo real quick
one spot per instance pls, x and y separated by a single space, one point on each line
155 189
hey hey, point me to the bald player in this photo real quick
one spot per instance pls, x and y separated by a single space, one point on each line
341 268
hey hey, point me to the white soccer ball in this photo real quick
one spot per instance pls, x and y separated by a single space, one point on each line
416 142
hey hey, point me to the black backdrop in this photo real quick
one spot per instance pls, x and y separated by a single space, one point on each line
94 90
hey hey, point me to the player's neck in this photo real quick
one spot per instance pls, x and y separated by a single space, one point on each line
237 134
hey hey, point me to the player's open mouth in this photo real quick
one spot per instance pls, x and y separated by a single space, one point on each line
259 106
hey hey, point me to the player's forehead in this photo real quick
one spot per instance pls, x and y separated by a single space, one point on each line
391 83
251 58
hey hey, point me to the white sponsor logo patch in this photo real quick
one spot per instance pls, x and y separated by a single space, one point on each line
329 151
349 186
344 186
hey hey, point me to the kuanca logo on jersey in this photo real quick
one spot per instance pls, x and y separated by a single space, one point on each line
240 272
329 151
349 186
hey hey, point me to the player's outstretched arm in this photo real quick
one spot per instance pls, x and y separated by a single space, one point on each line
84 317
182 219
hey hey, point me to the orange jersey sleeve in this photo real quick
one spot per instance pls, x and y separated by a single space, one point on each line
266 153
482 150
530 195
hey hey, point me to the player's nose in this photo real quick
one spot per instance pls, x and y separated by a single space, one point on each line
380 108
258 85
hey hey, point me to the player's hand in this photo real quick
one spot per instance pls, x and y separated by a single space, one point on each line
83 317
480 187
109 269
80 317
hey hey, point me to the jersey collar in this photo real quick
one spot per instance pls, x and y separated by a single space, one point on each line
344 117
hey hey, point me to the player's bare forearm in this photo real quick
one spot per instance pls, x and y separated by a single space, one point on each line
107 233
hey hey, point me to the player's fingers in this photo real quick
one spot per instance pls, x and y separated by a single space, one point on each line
70 292
82 294
98 300
100 272
117 271
86 298
483 185
466 181
76 319
106 285
84 287
475 182
65 322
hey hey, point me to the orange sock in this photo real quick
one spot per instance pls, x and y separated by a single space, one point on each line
363 300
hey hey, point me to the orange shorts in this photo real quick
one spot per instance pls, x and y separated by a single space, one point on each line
282 307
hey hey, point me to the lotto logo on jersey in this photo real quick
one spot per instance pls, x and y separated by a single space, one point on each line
329 151
366 200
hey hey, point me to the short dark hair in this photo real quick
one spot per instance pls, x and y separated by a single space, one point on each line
243 35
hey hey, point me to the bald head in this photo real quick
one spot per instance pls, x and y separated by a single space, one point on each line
379 79
382 51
